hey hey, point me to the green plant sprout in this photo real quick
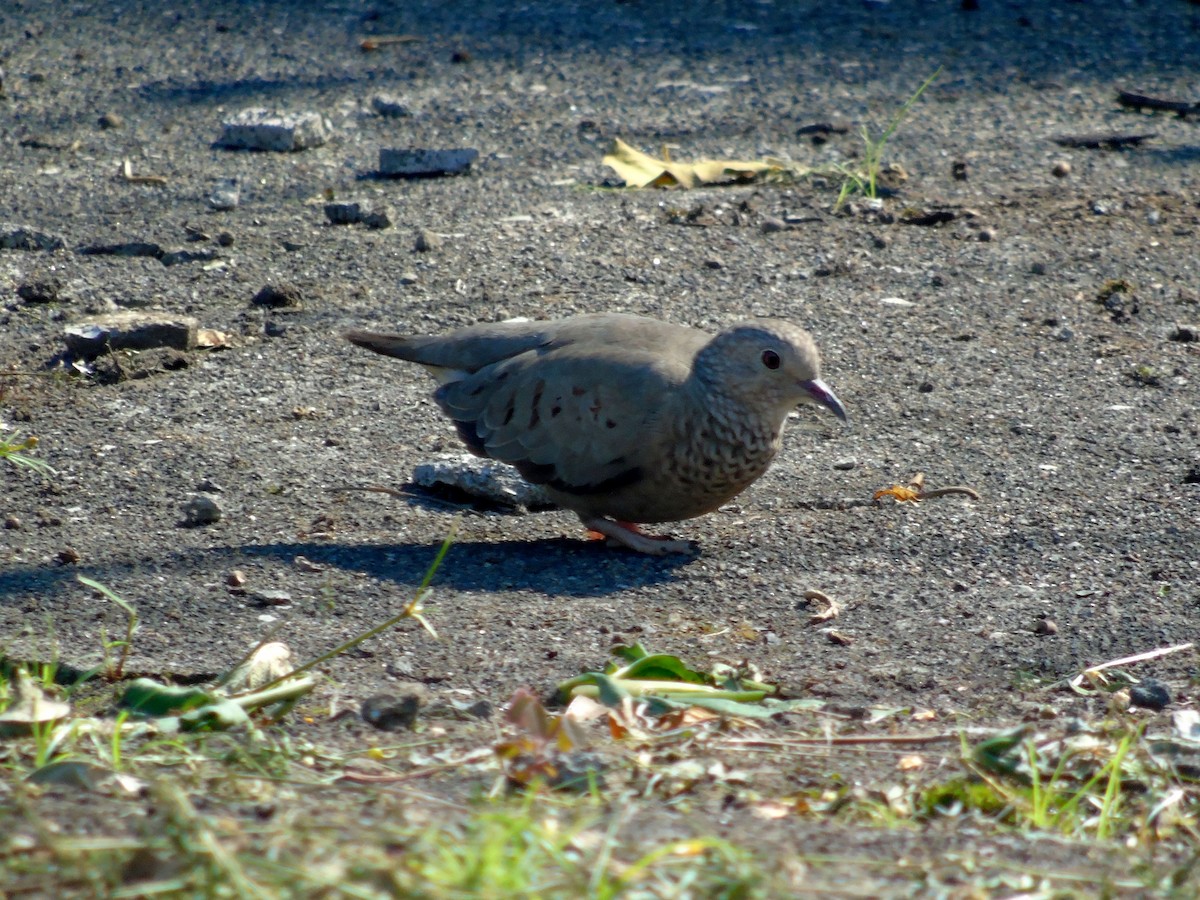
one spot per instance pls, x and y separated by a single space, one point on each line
15 452
866 180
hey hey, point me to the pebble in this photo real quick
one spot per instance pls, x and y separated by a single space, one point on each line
201 510
177 257
351 212
269 597
390 106
1038 268
1150 694
408 278
225 195
1045 626
20 237
428 240
68 556
959 170
406 163
1153 217
12 523
845 465
771 224
282 132
279 296
47 290
343 212
986 234
110 120
1060 169
395 712
1185 334
236 578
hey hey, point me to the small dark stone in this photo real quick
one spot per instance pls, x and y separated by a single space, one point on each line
111 120
68 556
201 510
1185 335
481 709
47 290
959 170
279 296
269 597
1045 626
1150 694
427 240
459 57
225 239
394 712
1192 476
926 387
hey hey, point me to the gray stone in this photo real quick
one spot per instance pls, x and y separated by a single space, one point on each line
129 330
389 106
482 479
201 510
20 237
283 132
407 163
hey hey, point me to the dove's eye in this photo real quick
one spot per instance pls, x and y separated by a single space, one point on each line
770 359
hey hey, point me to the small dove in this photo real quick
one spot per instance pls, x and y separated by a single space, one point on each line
623 419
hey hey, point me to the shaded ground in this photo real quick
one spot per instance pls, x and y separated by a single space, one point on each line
1001 368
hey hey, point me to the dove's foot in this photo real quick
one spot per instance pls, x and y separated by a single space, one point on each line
627 534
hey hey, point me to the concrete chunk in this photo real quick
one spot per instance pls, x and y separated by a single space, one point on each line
414 163
129 330
264 129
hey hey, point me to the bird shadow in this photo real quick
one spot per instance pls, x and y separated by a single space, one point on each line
558 566
555 567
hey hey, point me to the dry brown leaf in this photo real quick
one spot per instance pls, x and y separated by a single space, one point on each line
638 169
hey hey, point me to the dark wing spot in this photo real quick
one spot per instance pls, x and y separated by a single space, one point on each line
535 415
578 391
555 410
509 413
609 423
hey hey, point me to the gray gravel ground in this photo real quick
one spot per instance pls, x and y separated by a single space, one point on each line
984 362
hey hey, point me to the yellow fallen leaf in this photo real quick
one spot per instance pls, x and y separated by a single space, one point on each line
638 169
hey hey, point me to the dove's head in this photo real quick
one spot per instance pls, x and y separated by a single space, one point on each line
767 364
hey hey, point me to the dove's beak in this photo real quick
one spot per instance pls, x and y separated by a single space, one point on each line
821 394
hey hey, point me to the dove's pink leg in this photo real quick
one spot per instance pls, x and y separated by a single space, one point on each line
627 534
